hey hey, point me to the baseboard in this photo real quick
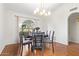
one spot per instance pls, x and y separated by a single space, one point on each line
1 50
61 43
73 42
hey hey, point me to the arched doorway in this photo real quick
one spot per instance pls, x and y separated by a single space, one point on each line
73 28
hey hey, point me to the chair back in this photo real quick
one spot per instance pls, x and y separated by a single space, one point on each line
53 35
49 35
38 40
46 32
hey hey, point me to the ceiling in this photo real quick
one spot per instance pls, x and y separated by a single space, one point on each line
28 8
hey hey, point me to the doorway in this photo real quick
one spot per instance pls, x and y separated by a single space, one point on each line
73 28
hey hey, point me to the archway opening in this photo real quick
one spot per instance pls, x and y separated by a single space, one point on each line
73 28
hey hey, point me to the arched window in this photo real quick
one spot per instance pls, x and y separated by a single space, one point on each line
27 26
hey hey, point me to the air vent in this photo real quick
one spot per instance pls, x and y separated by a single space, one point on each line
75 8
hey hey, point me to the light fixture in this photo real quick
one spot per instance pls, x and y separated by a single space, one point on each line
42 11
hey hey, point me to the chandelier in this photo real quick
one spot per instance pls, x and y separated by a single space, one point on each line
42 11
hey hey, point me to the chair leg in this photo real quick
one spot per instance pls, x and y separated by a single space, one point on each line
21 51
42 51
29 48
32 50
52 48
33 53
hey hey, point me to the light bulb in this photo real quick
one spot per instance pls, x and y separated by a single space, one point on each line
37 10
49 13
41 13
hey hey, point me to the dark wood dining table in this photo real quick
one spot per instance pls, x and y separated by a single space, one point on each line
32 36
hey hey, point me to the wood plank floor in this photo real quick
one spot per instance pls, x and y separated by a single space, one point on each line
73 49
59 50
10 50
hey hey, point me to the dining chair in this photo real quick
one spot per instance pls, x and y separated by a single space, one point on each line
46 32
24 41
48 37
38 42
49 34
50 41
53 41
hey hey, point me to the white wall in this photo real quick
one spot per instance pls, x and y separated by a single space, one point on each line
59 22
1 27
76 40
10 26
1 8
4 29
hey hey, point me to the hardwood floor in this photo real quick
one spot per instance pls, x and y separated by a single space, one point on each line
10 50
59 50
73 49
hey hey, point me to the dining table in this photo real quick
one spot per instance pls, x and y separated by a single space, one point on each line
31 35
